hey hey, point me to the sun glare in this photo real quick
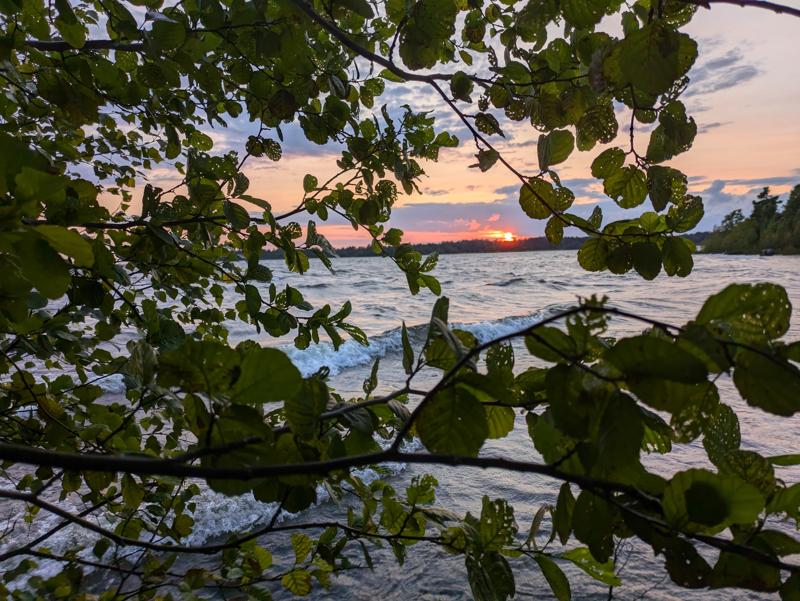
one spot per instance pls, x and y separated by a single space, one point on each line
508 237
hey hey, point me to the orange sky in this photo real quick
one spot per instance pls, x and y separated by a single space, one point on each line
744 96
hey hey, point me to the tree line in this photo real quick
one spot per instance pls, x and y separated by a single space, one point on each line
773 226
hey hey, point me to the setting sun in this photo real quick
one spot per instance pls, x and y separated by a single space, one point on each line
508 237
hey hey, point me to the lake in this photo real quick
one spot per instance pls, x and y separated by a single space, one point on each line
490 295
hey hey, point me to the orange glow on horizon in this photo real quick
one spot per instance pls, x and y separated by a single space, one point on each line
500 235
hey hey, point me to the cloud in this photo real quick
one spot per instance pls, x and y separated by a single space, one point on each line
720 73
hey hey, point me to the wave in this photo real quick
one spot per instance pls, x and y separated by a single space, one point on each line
504 283
351 354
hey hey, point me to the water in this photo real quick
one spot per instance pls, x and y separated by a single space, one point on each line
490 295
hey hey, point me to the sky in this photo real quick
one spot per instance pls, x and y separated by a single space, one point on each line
744 94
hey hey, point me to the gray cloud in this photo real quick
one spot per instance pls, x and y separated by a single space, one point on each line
720 73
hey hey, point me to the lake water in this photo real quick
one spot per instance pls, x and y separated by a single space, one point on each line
490 295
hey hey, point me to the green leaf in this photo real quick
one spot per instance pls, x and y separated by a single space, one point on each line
562 517
593 255
236 215
643 357
68 242
453 422
304 408
677 257
43 267
627 186
666 186
551 344
603 572
461 86
555 577
132 493
554 230
500 421
674 135
653 57
583 14
497 526
554 148
302 545
539 199
767 381
408 352
646 258
699 500
298 582
593 524
266 375
608 162
310 183
748 312
360 7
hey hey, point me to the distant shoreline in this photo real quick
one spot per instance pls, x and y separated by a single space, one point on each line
476 246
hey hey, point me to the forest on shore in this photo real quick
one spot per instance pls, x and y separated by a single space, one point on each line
773 225
480 245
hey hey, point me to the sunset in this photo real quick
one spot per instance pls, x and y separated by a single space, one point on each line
377 300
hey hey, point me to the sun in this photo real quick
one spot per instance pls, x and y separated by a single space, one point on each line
508 237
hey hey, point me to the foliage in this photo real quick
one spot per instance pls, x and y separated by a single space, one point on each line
769 226
102 99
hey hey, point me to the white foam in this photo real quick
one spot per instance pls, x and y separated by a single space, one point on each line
351 354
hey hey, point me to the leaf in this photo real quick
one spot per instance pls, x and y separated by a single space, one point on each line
304 408
653 57
666 186
627 186
554 230
408 352
453 422
593 524
748 312
603 572
298 582
646 259
310 183
497 527
554 148
593 255
486 159
266 375
767 381
645 356
68 242
360 7
700 501
43 267
302 546
608 162
132 493
562 517
539 199
236 215
677 257
555 577
674 135
500 421
461 87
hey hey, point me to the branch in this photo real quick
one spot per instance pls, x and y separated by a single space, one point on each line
61 46
771 6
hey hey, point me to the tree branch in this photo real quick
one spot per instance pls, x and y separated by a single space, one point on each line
771 6
61 46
